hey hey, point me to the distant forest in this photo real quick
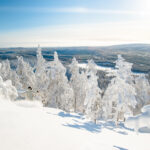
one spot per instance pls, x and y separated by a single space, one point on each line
138 54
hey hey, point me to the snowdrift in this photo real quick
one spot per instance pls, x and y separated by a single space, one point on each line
140 121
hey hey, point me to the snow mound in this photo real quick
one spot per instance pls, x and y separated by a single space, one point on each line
140 121
146 108
28 103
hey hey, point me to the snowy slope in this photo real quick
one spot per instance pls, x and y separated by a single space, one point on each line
26 125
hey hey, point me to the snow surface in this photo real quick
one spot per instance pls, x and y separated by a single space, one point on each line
107 69
111 71
26 125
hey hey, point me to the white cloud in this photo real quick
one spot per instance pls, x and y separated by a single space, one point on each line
80 35
74 10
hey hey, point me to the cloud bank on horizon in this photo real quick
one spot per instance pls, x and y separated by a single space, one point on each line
74 23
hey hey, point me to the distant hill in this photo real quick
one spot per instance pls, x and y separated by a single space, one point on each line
138 54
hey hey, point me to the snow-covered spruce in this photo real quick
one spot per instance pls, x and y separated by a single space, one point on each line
60 93
7 90
120 96
25 73
93 102
8 74
78 83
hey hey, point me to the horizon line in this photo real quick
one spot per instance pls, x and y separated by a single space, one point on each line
76 46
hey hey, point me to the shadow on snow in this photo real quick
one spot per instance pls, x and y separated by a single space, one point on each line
89 126
120 148
63 114
78 123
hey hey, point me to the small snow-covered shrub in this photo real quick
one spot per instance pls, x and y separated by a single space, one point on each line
7 90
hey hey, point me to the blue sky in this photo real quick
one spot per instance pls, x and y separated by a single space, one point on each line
73 22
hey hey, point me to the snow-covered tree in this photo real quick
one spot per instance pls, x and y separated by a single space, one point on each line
7 90
93 103
26 75
15 79
78 84
8 74
41 76
40 70
5 70
60 93
142 87
120 96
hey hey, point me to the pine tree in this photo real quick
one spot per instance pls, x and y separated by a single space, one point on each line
8 74
78 84
26 76
5 70
59 91
93 103
120 96
41 76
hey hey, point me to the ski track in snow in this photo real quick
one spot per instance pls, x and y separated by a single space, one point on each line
26 125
